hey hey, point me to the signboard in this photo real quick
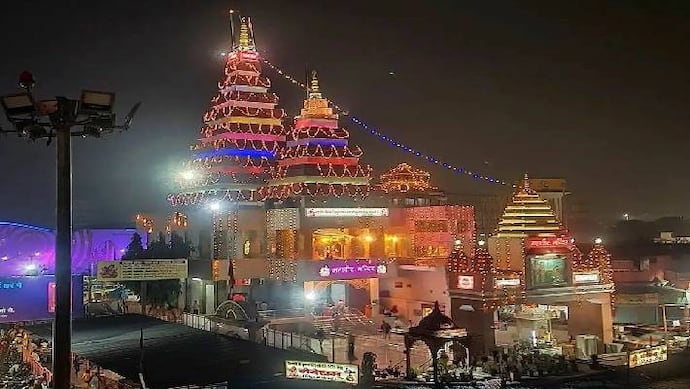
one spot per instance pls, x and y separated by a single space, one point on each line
586 277
351 270
647 356
319 371
466 282
33 298
144 270
549 243
506 282
638 299
345 212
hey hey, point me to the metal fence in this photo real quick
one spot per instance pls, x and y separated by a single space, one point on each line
199 322
292 341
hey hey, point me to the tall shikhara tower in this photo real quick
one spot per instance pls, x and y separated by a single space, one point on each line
317 159
242 132
527 214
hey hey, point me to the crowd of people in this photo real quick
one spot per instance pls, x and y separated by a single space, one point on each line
14 371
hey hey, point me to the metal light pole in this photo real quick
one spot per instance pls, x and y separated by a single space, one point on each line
62 118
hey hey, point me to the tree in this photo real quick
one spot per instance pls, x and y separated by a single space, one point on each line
160 293
135 248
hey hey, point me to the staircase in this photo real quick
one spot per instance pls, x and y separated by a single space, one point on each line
352 321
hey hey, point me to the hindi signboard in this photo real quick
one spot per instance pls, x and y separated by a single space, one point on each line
586 277
506 282
320 371
466 282
142 270
548 243
345 212
647 356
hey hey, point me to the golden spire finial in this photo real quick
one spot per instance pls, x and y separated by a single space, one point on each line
246 39
314 91
525 183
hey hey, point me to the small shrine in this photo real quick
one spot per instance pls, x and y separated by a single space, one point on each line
435 330
531 260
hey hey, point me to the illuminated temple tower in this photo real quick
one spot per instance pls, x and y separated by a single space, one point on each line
318 160
317 165
241 135
533 260
527 214
239 140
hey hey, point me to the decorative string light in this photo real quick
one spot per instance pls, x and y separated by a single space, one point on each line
393 142
317 159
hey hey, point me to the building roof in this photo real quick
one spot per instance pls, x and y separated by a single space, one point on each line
527 214
177 355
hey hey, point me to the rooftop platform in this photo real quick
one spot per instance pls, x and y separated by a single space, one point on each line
176 355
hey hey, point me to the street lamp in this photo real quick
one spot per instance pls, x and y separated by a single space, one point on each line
62 118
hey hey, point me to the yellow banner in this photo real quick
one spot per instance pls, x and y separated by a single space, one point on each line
647 356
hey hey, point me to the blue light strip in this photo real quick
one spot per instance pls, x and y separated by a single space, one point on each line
391 141
36 228
234 153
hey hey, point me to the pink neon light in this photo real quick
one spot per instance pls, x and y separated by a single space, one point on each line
318 161
244 136
327 123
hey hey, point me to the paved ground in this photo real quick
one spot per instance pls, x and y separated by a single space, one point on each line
388 351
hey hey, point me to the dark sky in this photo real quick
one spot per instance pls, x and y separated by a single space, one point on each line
597 92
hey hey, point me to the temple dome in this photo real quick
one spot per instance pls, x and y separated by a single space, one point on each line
528 215
405 178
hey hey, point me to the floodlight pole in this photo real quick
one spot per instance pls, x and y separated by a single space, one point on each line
90 116
62 325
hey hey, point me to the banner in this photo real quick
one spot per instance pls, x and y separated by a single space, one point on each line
318 371
142 270
345 212
647 356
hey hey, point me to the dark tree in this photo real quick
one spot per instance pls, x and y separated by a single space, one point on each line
135 248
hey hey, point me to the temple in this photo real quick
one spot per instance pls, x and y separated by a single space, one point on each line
527 214
532 267
317 159
242 132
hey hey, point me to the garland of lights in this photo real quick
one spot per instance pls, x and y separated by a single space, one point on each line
325 164
390 140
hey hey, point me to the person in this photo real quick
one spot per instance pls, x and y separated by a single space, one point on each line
94 382
195 307
351 347
386 328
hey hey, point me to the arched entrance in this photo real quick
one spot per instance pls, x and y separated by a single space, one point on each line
353 293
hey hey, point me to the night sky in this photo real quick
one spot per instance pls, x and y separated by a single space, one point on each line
596 92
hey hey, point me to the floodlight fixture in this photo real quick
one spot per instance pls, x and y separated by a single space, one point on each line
95 102
19 106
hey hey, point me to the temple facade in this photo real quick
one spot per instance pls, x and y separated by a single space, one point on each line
531 261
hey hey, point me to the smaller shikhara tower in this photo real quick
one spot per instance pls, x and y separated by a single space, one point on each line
318 160
242 132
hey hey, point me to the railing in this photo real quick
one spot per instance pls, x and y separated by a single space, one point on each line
199 322
280 313
289 340
213 324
